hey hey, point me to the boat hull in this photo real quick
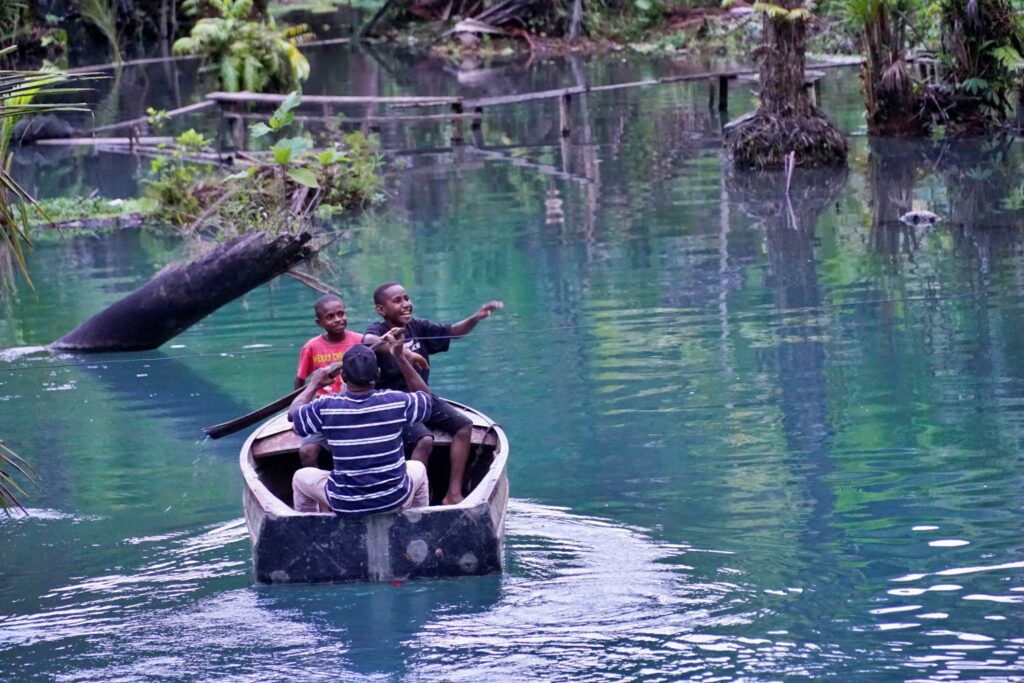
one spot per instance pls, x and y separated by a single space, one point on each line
430 542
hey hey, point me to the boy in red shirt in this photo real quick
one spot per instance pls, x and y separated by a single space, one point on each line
324 350
327 348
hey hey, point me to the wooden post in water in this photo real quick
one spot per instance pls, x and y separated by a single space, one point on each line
476 127
1020 109
723 93
236 125
565 114
457 136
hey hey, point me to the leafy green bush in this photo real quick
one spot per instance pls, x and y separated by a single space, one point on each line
244 54
282 193
178 185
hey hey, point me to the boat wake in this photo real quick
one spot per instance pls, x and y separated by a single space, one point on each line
584 594
580 594
107 604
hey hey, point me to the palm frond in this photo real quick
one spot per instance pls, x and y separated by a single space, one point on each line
10 463
18 92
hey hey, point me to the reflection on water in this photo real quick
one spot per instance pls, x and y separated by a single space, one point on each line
759 431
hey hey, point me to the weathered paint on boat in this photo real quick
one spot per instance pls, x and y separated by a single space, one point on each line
436 541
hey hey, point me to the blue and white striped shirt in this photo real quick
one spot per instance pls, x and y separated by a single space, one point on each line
364 433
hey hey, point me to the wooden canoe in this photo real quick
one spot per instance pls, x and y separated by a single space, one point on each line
435 541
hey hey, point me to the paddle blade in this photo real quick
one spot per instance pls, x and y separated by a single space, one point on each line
239 423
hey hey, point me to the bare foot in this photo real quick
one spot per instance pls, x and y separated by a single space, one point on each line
451 499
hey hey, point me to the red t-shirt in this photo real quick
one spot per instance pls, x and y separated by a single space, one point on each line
318 352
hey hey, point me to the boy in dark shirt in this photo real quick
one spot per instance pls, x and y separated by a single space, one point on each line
424 337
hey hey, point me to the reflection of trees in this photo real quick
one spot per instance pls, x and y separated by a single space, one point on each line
984 197
892 169
800 330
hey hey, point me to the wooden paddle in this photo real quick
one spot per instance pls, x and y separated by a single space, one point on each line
231 426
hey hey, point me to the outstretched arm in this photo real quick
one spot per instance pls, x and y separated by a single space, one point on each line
464 327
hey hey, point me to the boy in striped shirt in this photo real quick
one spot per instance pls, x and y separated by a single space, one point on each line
363 427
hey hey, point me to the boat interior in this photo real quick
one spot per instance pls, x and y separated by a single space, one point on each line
275 457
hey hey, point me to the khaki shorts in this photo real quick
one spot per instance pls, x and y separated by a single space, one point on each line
309 488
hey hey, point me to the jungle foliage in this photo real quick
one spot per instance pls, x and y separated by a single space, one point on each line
11 465
281 190
19 91
976 45
245 54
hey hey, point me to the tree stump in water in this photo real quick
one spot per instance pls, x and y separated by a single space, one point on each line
183 294
786 121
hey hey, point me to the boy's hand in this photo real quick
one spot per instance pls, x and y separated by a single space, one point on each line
322 377
486 310
416 360
394 338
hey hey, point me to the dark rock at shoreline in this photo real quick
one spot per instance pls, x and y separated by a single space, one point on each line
42 127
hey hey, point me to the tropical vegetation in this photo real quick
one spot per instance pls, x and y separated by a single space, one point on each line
10 465
282 189
18 92
244 54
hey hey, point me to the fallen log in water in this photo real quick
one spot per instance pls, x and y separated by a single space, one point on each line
183 294
127 220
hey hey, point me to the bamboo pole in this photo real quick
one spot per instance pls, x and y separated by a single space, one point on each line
457 133
128 220
188 109
565 115
126 141
245 97
474 117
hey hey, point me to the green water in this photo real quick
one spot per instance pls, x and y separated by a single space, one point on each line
745 446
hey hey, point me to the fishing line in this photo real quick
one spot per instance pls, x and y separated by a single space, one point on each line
291 348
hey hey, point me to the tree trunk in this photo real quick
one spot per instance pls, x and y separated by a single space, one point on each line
183 294
576 21
892 107
782 89
786 121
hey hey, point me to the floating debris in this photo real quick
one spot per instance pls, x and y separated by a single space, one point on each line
920 218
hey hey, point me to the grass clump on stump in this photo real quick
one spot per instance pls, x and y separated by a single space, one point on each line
786 120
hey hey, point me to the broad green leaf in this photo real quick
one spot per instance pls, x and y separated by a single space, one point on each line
303 176
258 130
282 116
330 156
289 148
243 174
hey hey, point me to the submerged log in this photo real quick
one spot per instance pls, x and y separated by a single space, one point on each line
183 294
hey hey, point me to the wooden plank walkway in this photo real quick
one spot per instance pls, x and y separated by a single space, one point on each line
245 97
461 108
